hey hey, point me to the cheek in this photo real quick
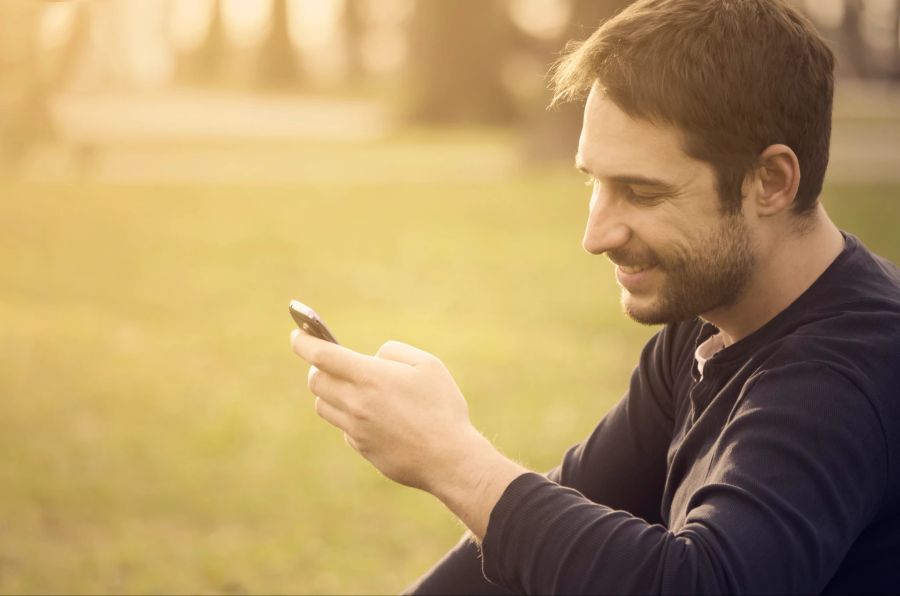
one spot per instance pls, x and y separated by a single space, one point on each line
664 241
678 249
711 247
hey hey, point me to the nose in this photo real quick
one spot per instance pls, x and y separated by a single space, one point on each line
606 228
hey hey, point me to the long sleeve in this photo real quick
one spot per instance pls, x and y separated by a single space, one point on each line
622 462
796 472
458 572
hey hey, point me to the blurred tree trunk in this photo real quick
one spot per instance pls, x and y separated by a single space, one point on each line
353 29
205 64
851 40
895 51
18 81
29 77
456 55
553 134
278 62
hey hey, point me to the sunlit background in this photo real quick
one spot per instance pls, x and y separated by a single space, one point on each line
173 172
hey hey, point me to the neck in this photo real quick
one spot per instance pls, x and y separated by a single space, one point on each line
789 264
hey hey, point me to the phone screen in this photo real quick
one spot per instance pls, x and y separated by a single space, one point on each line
309 321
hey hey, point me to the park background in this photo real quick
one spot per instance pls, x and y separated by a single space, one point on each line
172 173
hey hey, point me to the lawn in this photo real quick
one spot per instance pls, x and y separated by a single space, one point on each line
157 435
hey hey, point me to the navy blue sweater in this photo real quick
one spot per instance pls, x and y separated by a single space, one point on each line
775 471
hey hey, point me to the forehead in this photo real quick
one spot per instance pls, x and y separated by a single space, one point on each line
613 143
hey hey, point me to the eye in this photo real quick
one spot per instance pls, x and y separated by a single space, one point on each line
641 198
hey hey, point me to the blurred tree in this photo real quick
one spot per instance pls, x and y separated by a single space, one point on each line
29 76
18 78
456 54
865 35
851 41
553 134
895 49
203 65
278 64
353 29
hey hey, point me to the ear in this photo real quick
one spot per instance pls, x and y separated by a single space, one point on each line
776 180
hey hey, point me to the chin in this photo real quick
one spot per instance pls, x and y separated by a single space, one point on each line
647 317
643 310
650 310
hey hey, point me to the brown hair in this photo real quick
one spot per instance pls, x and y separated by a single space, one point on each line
734 76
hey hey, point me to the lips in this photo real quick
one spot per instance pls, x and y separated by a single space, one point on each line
635 278
632 269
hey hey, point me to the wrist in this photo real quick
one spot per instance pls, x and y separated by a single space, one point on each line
473 480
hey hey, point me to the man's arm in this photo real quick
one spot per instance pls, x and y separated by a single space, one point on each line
623 463
797 474
402 411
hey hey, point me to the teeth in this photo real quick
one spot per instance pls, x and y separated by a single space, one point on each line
632 270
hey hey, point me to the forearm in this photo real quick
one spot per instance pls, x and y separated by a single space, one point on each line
549 539
472 484
798 473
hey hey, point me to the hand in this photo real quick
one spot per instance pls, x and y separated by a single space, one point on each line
400 409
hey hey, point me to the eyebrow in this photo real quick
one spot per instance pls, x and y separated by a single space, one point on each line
633 179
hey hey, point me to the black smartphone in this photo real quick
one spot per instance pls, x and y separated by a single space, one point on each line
309 321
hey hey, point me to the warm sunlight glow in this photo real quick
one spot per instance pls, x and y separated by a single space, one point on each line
146 59
246 22
55 24
313 23
313 26
189 22
387 13
546 19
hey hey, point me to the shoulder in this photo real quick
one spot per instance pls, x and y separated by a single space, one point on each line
849 324
818 404
802 384
808 420
851 359
861 345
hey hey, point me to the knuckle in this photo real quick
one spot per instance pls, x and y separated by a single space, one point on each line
367 380
372 383
357 411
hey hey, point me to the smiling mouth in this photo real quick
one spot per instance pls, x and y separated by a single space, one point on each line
632 269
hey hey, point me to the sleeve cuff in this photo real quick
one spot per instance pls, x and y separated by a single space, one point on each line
496 547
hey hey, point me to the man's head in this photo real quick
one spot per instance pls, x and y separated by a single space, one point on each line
716 100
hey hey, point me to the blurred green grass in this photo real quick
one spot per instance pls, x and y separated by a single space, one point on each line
157 435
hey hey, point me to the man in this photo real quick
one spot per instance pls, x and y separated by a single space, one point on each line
757 448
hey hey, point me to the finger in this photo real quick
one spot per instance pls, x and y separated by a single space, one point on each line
405 353
331 358
336 391
332 415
